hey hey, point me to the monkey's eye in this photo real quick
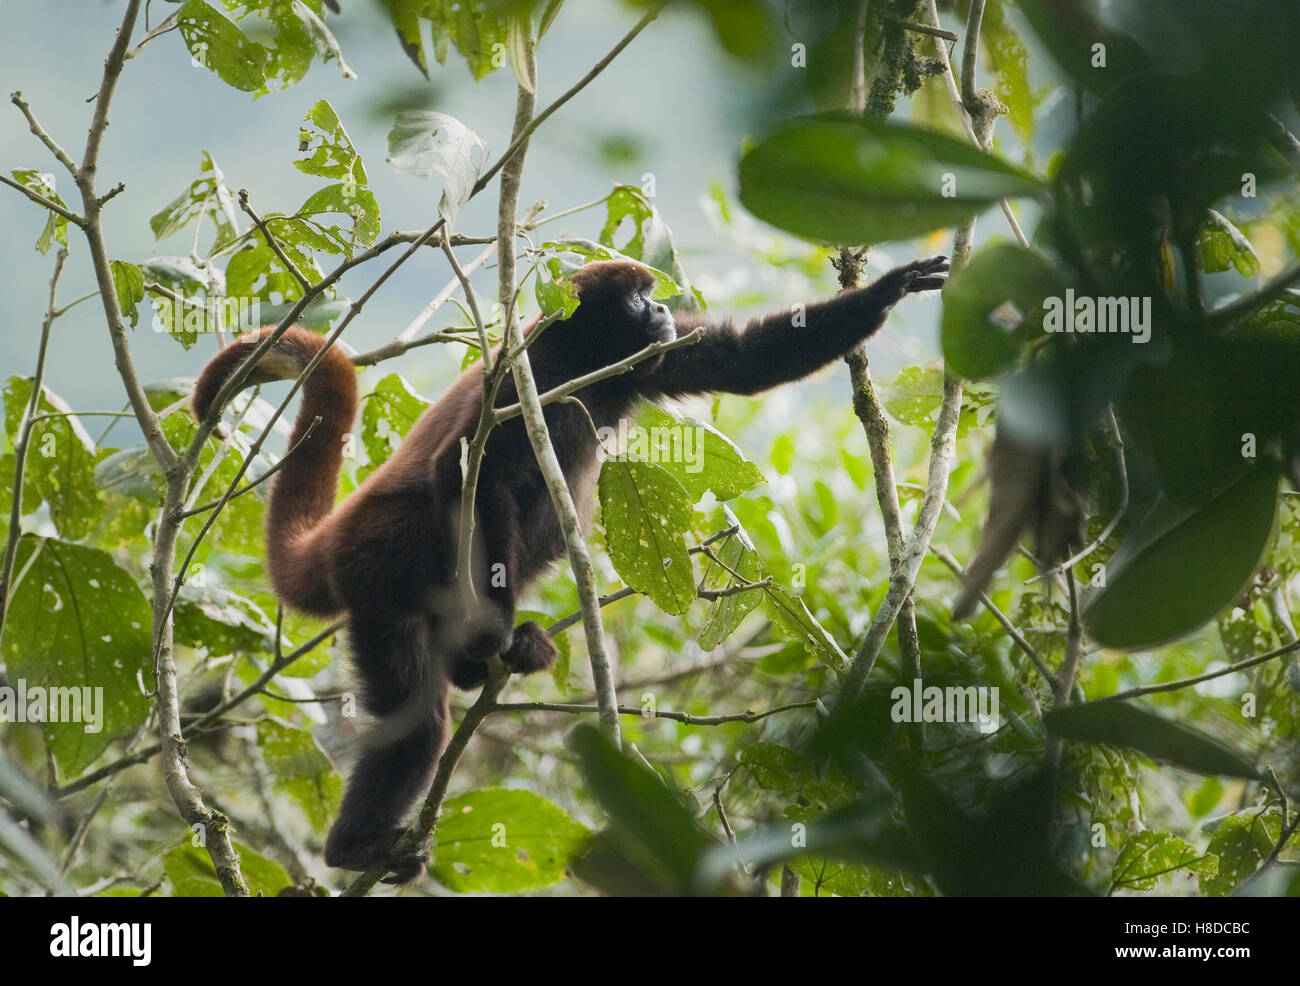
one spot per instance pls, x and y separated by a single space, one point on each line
638 299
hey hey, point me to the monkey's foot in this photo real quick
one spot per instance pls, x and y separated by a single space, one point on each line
467 673
531 649
361 851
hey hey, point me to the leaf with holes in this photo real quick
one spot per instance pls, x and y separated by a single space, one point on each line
647 515
504 841
79 628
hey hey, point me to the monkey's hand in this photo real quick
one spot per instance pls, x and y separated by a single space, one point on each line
919 275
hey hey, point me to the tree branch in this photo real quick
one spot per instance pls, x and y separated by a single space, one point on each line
534 417
604 373
624 710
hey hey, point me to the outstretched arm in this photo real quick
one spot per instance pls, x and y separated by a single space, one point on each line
784 347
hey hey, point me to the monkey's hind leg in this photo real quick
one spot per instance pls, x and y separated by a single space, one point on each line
404 688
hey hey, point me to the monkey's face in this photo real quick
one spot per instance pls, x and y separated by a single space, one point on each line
653 318
616 316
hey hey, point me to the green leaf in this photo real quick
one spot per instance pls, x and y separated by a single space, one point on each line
992 308
207 195
214 619
1148 855
650 823
128 282
331 153
504 841
1242 841
189 869
300 36
1181 564
256 272
860 832
1009 61
847 179
1279 319
301 770
1126 725
647 515
60 460
737 553
387 414
793 618
915 396
478 30
650 240
344 198
695 453
405 15
216 42
422 143
78 623
56 227
778 768
564 258
1221 245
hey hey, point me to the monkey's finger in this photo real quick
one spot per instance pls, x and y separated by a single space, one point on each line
927 284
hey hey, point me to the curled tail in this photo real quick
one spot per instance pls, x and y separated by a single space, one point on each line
304 488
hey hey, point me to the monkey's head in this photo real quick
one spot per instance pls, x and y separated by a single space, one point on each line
615 316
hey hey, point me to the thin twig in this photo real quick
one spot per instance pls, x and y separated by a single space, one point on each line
1172 686
471 299
40 199
1244 307
959 104
23 437
626 710
1069 668
559 626
51 144
272 242
1012 630
249 487
395 348
604 373
534 417
187 797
